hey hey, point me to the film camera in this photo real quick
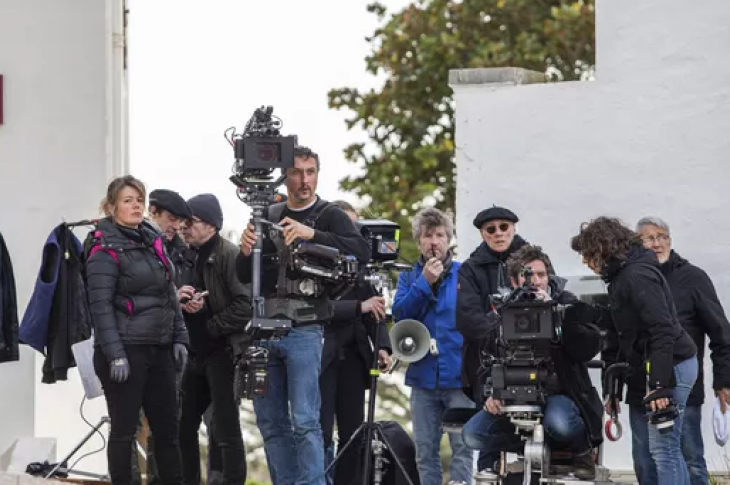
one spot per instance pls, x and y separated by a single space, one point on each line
529 329
310 275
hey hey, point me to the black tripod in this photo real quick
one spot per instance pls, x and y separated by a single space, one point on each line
373 431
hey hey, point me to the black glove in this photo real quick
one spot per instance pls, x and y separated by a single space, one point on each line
581 312
180 352
119 370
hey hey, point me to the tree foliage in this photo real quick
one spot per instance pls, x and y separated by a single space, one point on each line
408 160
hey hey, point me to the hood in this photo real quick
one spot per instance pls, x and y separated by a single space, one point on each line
638 254
557 285
483 254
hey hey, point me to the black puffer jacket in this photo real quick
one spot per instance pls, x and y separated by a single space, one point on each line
480 276
132 295
581 342
646 325
701 313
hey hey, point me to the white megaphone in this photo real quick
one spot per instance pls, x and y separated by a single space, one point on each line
410 339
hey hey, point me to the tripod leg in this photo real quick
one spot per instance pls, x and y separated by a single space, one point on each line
393 455
78 446
347 445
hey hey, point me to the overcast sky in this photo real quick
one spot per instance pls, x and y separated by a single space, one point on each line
199 67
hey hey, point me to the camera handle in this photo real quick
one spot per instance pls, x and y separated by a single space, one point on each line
614 378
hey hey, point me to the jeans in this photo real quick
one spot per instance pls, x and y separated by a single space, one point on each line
693 447
209 380
293 441
150 386
669 467
493 434
427 409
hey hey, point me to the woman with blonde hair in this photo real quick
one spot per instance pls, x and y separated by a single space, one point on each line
140 337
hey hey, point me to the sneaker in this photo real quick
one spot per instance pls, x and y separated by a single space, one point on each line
584 468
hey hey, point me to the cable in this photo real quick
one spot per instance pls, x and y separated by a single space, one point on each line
103 446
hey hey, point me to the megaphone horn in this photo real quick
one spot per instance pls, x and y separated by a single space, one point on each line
410 340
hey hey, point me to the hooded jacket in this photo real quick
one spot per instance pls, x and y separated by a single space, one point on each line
646 327
700 312
480 277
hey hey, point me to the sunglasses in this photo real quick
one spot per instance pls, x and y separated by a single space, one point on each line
504 227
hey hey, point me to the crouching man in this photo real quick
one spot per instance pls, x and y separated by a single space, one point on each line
573 410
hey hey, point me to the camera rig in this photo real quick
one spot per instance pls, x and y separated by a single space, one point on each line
310 276
529 329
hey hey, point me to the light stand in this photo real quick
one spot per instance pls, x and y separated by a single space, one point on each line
373 431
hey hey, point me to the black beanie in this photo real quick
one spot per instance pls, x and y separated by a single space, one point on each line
207 208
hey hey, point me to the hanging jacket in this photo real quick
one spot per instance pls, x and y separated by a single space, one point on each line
57 315
8 308
436 309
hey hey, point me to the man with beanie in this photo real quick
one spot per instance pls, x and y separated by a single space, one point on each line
482 275
217 309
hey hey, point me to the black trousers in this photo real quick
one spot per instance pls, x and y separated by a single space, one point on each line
210 380
342 388
151 386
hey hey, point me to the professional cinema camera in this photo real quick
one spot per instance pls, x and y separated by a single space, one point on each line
310 276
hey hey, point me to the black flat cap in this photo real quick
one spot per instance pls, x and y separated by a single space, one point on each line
172 202
494 213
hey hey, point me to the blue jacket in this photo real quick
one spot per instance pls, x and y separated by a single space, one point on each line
415 300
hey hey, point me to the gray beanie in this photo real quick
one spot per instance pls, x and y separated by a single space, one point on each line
207 208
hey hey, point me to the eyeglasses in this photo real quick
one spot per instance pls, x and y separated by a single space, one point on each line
656 239
504 227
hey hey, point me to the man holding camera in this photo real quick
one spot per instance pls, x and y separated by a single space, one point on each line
427 293
293 443
573 409
216 308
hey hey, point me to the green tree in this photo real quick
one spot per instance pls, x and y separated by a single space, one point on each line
408 160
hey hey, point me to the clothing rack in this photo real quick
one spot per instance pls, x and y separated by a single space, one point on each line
84 222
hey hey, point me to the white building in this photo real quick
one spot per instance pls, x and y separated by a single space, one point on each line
62 139
651 135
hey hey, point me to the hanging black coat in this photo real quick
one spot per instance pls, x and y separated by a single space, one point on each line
8 308
57 315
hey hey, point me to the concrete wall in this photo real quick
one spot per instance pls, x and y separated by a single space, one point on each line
60 144
649 136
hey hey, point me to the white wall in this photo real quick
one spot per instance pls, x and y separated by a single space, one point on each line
650 136
60 144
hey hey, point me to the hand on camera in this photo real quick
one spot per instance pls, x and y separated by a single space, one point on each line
542 295
374 305
119 370
493 406
248 240
433 270
655 400
294 230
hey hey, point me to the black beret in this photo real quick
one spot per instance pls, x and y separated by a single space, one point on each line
172 202
494 213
